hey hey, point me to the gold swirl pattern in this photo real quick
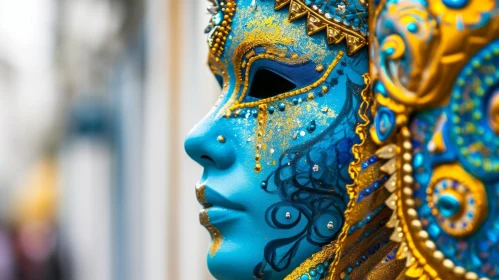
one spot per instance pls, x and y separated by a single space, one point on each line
418 58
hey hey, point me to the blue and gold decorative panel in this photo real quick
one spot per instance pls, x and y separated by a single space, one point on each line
435 75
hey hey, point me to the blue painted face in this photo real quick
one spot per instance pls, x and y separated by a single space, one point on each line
277 146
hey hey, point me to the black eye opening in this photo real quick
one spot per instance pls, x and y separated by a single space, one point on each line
266 84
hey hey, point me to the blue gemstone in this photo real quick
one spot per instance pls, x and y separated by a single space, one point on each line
380 88
282 107
412 27
365 164
492 237
390 51
384 123
263 185
311 127
425 210
312 272
418 160
304 277
433 230
475 260
448 205
456 4
295 101
320 268
271 109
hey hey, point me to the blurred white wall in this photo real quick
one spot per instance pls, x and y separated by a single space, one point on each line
191 91
29 104
129 209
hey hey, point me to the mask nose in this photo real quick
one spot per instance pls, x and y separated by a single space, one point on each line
208 146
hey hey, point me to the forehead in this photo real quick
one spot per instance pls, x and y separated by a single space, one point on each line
256 23
311 28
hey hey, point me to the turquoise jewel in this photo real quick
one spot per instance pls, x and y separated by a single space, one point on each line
456 4
384 123
448 205
418 160
412 27
320 268
271 109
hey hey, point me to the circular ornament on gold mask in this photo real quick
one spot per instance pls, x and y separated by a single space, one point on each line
474 115
457 200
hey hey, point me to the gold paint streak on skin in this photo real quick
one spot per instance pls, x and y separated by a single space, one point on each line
201 195
216 236
260 133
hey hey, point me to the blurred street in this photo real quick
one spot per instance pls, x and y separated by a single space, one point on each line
96 97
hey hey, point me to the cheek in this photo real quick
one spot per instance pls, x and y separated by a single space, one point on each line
293 122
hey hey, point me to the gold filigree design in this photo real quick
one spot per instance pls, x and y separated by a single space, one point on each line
243 49
429 49
353 189
335 32
239 105
362 132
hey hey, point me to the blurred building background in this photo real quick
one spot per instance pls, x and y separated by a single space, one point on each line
96 97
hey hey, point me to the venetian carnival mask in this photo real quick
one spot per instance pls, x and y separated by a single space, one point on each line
312 171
